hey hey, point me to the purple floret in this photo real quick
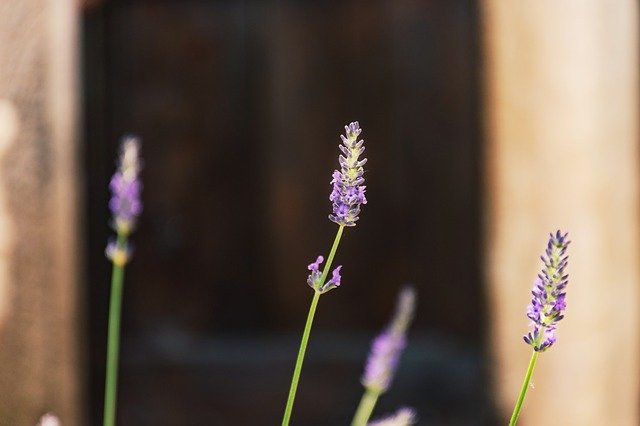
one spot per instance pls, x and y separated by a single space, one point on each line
315 277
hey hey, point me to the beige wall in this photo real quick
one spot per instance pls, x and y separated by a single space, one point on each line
562 134
39 316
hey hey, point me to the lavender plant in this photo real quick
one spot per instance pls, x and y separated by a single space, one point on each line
384 356
126 206
347 197
546 308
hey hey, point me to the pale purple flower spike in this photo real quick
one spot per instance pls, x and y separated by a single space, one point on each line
388 346
348 192
315 277
49 419
125 203
405 416
125 185
548 302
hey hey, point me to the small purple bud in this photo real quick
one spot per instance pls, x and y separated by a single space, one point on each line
315 266
334 281
118 255
316 275
314 280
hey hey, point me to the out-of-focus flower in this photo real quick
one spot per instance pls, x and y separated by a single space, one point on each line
49 419
125 203
388 346
118 255
348 192
403 417
125 185
548 302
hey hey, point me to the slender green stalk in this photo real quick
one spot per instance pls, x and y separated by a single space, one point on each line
367 404
525 388
113 339
332 253
298 368
307 331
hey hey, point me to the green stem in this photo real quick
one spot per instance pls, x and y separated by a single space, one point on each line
113 339
332 254
367 404
307 331
525 388
298 368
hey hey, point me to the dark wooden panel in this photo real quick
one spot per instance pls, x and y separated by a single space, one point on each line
240 105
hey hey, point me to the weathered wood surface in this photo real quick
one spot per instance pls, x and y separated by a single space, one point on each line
39 253
562 128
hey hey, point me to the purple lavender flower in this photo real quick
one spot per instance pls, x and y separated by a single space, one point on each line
125 185
405 416
549 296
388 346
348 192
315 277
125 201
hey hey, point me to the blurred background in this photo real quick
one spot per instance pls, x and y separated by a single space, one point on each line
240 106
486 125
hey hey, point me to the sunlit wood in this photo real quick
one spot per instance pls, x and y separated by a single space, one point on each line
39 253
562 133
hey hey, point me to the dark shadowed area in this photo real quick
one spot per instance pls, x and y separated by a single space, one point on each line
240 105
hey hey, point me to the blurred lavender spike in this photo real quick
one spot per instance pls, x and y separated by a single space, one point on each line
125 203
405 416
125 185
348 192
49 419
388 346
548 302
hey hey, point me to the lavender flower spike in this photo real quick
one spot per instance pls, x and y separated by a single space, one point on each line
125 204
348 190
388 346
125 187
548 302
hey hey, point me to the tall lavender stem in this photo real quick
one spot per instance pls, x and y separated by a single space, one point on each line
524 388
113 340
347 196
307 331
546 308
125 206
